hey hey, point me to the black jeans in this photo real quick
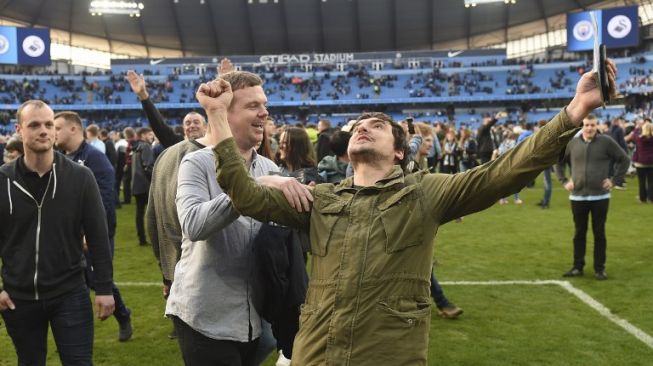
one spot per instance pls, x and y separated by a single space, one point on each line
127 185
581 211
71 318
141 205
199 350
645 177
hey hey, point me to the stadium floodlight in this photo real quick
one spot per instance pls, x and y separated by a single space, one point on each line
131 8
473 3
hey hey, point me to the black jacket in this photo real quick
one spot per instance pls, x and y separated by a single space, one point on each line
41 248
166 134
282 281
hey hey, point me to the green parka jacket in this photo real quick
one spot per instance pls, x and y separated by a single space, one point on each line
368 301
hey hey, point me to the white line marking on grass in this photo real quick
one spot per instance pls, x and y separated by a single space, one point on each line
584 297
580 294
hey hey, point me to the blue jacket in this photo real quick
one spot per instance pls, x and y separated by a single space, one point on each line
105 178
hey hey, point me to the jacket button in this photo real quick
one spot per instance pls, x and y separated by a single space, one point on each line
411 321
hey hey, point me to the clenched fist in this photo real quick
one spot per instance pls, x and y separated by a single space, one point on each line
215 95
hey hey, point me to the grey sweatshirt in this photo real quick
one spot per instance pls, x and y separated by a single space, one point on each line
212 291
590 164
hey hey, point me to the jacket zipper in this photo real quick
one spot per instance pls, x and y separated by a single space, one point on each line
38 232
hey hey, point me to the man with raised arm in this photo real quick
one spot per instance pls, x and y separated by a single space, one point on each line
372 234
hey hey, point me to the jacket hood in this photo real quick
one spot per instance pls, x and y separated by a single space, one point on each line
9 172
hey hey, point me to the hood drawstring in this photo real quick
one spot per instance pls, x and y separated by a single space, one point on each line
54 171
11 205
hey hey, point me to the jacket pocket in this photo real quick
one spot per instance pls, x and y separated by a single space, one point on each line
329 213
404 318
403 219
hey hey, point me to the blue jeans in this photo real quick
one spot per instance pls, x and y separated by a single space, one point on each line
548 187
441 301
71 318
266 344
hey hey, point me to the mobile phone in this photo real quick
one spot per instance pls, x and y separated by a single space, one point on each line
411 127
604 82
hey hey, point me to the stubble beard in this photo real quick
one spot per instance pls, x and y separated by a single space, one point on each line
365 156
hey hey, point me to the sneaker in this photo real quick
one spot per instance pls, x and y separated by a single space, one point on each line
173 334
518 202
601 276
619 188
503 201
125 332
282 360
574 272
450 311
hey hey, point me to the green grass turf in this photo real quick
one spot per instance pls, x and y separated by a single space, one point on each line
502 325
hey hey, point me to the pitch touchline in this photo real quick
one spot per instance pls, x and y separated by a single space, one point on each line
580 294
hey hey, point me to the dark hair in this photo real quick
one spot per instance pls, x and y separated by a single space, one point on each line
299 150
15 144
142 131
69 116
400 143
339 142
265 149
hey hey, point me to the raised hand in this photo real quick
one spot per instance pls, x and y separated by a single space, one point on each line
225 66
588 94
137 83
215 95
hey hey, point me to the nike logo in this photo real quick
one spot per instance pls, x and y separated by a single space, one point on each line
156 62
454 54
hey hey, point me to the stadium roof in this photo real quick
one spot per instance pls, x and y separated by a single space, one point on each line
242 27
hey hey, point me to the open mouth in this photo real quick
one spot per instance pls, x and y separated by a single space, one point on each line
258 125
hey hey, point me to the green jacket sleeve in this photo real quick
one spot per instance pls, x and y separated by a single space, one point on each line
453 196
248 197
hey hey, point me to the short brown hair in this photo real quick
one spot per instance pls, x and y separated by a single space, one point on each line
129 133
400 143
143 130
242 79
15 144
93 130
32 102
69 116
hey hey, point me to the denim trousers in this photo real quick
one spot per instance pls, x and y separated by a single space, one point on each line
71 317
441 301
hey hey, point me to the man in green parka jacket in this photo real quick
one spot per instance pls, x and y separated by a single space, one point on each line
371 235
